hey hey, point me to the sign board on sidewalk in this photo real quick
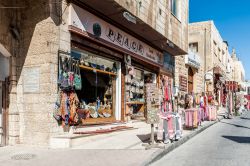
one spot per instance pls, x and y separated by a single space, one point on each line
152 103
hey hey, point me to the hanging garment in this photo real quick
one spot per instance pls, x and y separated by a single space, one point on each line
178 127
166 93
231 103
57 111
64 83
70 73
74 102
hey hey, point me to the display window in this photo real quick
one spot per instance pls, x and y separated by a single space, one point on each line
99 87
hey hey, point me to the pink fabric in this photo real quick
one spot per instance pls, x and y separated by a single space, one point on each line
166 93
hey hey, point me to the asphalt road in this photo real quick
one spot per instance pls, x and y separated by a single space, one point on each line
226 143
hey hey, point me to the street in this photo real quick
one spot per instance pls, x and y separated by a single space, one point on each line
224 144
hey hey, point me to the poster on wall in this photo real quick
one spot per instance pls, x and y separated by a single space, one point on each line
31 79
183 83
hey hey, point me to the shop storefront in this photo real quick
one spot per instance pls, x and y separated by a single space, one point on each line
219 85
113 68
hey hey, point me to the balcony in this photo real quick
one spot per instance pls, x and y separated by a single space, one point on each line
193 59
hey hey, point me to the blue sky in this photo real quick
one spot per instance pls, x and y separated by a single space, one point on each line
232 19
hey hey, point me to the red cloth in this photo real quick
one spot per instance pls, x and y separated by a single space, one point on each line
166 93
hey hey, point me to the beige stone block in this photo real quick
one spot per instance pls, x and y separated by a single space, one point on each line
31 98
65 45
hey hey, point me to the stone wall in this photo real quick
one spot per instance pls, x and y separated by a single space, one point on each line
157 14
42 26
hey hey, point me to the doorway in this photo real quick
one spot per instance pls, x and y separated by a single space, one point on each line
190 80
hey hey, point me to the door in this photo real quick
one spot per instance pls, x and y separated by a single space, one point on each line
4 97
190 80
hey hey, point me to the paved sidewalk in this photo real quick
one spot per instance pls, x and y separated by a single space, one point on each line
118 148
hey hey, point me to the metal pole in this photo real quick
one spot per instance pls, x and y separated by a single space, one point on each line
152 134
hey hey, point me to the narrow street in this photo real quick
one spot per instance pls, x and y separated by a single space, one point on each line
224 144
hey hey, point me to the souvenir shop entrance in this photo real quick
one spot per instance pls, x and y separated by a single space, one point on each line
91 93
136 78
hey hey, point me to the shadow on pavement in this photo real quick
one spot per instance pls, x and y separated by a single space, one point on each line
238 139
144 137
235 125
244 118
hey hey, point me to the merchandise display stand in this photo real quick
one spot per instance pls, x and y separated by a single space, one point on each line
152 143
152 107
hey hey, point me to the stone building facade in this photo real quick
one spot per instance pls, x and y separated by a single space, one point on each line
32 36
239 71
213 51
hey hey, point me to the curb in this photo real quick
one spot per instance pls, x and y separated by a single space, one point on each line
160 153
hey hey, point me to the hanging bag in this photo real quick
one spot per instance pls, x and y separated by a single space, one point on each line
71 73
64 79
60 75
77 77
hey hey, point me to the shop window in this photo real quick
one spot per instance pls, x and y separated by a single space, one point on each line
193 47
169 62
97 96
175 6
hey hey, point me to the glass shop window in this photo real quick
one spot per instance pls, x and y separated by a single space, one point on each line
97 96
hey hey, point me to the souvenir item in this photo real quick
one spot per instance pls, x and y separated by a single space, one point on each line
71 73
93 112
114 69
107 111
60 76
77 78
64 77
92 65
128 78
73 99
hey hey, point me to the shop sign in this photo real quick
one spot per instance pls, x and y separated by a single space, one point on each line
208 76
192 59
86 21
31 79
183 83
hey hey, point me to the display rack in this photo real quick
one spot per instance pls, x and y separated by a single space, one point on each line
97 70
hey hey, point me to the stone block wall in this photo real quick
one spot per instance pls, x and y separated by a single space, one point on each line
157 14
43 31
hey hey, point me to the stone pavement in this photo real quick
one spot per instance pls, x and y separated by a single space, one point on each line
118 148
